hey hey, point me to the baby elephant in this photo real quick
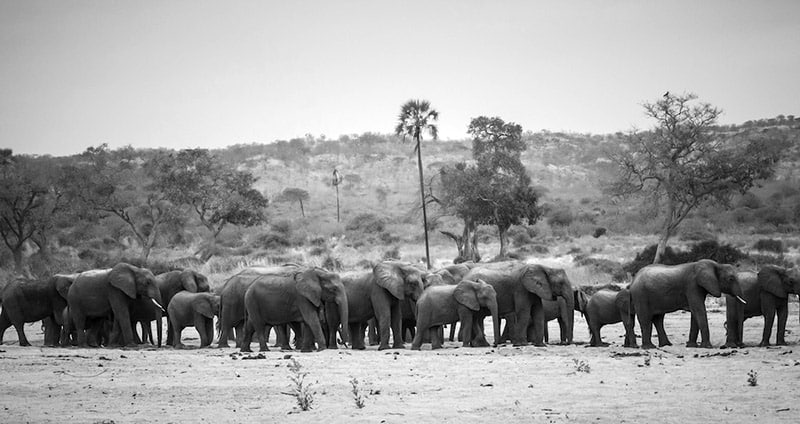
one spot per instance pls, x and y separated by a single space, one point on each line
468 302
196 310
610 306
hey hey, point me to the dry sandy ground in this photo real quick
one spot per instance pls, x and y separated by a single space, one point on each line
506 384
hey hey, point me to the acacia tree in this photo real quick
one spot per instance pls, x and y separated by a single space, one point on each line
218 194
496 190
293 194
122 184
417 117
30 198
681 162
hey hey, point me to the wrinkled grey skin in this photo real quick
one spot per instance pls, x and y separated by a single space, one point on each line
196 310
26 301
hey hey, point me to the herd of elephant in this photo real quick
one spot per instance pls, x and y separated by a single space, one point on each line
325 309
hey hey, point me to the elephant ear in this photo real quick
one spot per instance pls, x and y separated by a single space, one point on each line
63 283
188 281
202 305
536 281
707 277
581 300
121 277
772 280
389 276
308 285
465 294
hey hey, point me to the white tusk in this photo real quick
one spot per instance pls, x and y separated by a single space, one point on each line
157 304
741 300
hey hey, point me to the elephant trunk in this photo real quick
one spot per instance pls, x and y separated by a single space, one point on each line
568 316
344 317
495 322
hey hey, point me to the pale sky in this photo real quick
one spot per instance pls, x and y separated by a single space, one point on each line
183 74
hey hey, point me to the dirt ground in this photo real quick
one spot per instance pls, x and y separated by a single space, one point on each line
505 384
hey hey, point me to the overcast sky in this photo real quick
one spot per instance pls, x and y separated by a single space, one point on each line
185 74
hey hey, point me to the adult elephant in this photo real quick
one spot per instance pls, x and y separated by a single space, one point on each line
172 282
660 289
298 294
26 301
560 311
767 295
610 306
466 302
196 310
144 312
520 290
232 311
379 294
97 293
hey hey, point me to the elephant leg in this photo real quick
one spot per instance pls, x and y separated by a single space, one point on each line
312 323
357 336
240 332
596 339
453 331
422 330
466 318
200 326
694 330
169 333
440 333
19 325
79 321
176 337
282 337
396 320
245 330
700 317
783 315
372 332
646 325
658 322
733 324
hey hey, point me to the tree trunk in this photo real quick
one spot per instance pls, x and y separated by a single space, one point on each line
17 253
470 240
503 233
666 233
302 211
422 196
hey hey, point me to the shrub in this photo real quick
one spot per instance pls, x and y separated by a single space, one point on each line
614 269
769 245
599 232
750 200
519 236
775 216
392 253
272 241
561 217
742 215
709 249
366 222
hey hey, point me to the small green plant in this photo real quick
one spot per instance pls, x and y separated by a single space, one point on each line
647 361
752 378
300 389
581 366
358 394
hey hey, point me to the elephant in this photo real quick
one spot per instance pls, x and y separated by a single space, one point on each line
97 293
610 306
33 300
144 312
766 294
172 282
298 294
521 288
188 309
660 289
380 295
232 311
558 310
446 304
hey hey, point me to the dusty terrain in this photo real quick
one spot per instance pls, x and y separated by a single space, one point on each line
506 384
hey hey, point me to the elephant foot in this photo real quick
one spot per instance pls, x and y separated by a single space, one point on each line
706 345
648 346
181 346
480 343
220 345
383 347
436 346
243 349
780 343
399 346
666 343
359 348
763 344
631 345
539 344
414 347
729 345
691 344
599 344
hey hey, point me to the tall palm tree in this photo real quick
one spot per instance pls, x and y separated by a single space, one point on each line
416 117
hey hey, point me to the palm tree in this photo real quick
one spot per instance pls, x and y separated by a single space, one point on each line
416 117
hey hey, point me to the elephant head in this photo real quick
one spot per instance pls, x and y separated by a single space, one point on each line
716 278
580 299
478 294
438 278
779 281
194 282
400 279
319 285
535 279
63 282
135 282
207 306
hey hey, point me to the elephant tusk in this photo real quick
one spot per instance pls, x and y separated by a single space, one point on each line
741 300
158 305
